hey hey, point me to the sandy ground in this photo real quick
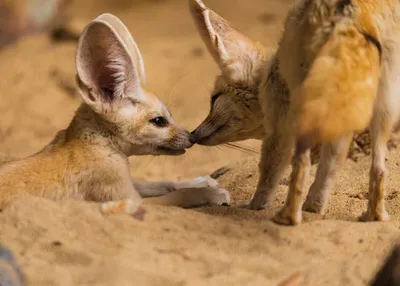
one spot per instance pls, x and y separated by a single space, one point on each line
70 243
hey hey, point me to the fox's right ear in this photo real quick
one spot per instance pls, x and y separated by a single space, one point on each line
106 69
235 54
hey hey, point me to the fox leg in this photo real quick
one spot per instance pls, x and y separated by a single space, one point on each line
200 191
332 156
196 192
386 113
275 156
153 189
291 214
119 198
161 188
380 131
191 197
129 206
378 174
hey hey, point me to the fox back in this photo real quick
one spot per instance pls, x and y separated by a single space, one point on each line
330 56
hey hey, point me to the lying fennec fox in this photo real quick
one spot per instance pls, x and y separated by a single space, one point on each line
119 118
337 65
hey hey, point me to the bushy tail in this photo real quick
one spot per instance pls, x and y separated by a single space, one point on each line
338 94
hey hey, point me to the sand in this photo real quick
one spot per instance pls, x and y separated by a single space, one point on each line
71 243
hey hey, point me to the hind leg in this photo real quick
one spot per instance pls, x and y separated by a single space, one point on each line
386 113
119 198
380 131
332 155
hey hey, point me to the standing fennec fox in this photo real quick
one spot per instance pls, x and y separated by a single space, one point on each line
336 65
119 118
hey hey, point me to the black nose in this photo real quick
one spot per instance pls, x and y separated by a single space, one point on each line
192 137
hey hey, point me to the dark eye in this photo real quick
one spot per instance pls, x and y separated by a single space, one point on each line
159 121
214 98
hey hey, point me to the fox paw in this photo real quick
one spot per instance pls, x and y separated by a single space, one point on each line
124 206
287 217
217 196
313 206
207 196
258 202
245 205
370 215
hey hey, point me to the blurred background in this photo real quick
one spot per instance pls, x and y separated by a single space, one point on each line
37 46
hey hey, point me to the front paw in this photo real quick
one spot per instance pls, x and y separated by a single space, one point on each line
371 215
313 206
287 217
258 202
245 205
220 197
217 196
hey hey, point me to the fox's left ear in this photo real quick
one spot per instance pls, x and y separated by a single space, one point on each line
106 68
235 54
128 40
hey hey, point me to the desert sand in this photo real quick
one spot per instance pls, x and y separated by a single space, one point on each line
71 243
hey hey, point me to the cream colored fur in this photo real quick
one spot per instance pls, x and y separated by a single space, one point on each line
342 76
335 78
119 118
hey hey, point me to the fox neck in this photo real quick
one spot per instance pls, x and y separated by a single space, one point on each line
259 133
253 111
92 130
252 87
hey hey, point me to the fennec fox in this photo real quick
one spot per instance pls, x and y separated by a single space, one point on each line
333 102
118 118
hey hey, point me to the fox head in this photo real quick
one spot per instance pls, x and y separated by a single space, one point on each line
235 112
110 76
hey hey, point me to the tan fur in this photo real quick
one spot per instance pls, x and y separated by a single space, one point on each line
334 72
236 112
338 93
89 159
336 80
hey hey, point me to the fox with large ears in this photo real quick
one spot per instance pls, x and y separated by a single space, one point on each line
119 118
335 69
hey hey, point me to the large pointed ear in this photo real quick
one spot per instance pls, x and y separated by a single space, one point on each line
106 71
235 54
126 36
